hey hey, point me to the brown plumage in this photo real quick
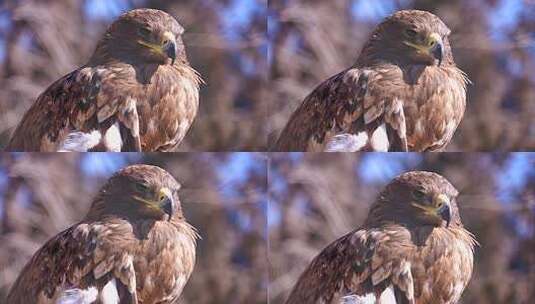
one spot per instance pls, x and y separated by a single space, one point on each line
412 247
134 244
404 93
137 92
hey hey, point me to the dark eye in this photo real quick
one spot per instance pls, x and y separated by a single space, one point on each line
418 194
143 32
142 187
410 33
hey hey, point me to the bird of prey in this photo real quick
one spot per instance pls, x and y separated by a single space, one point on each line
404 93
137 92
133 246
412 248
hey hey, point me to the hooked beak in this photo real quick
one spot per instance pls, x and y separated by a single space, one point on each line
166 202
169 48
438 51
166 47
433 45
443 207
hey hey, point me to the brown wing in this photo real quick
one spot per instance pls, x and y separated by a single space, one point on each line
80 107
81 258
355 102
359 263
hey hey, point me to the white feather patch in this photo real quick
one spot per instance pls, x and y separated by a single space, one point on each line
354 299
387 297
109 294
112 139
80 141
78 296
347 142
379 140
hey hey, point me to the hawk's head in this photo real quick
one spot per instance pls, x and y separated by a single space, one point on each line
417 198
139 192
143 36
411 37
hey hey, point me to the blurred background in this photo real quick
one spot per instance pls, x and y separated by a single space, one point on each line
493 42
42 40
223 196
316 198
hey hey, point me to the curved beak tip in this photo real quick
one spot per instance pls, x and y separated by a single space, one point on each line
168 207
170 51
445 213
438 52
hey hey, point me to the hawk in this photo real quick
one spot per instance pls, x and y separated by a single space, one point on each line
133 246
137 92
404 93
412 248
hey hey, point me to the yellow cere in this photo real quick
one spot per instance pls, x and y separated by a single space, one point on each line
431 41
164 193
440 200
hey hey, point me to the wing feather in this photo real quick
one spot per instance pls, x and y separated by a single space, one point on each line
356 265
81 103
350 102
74 264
